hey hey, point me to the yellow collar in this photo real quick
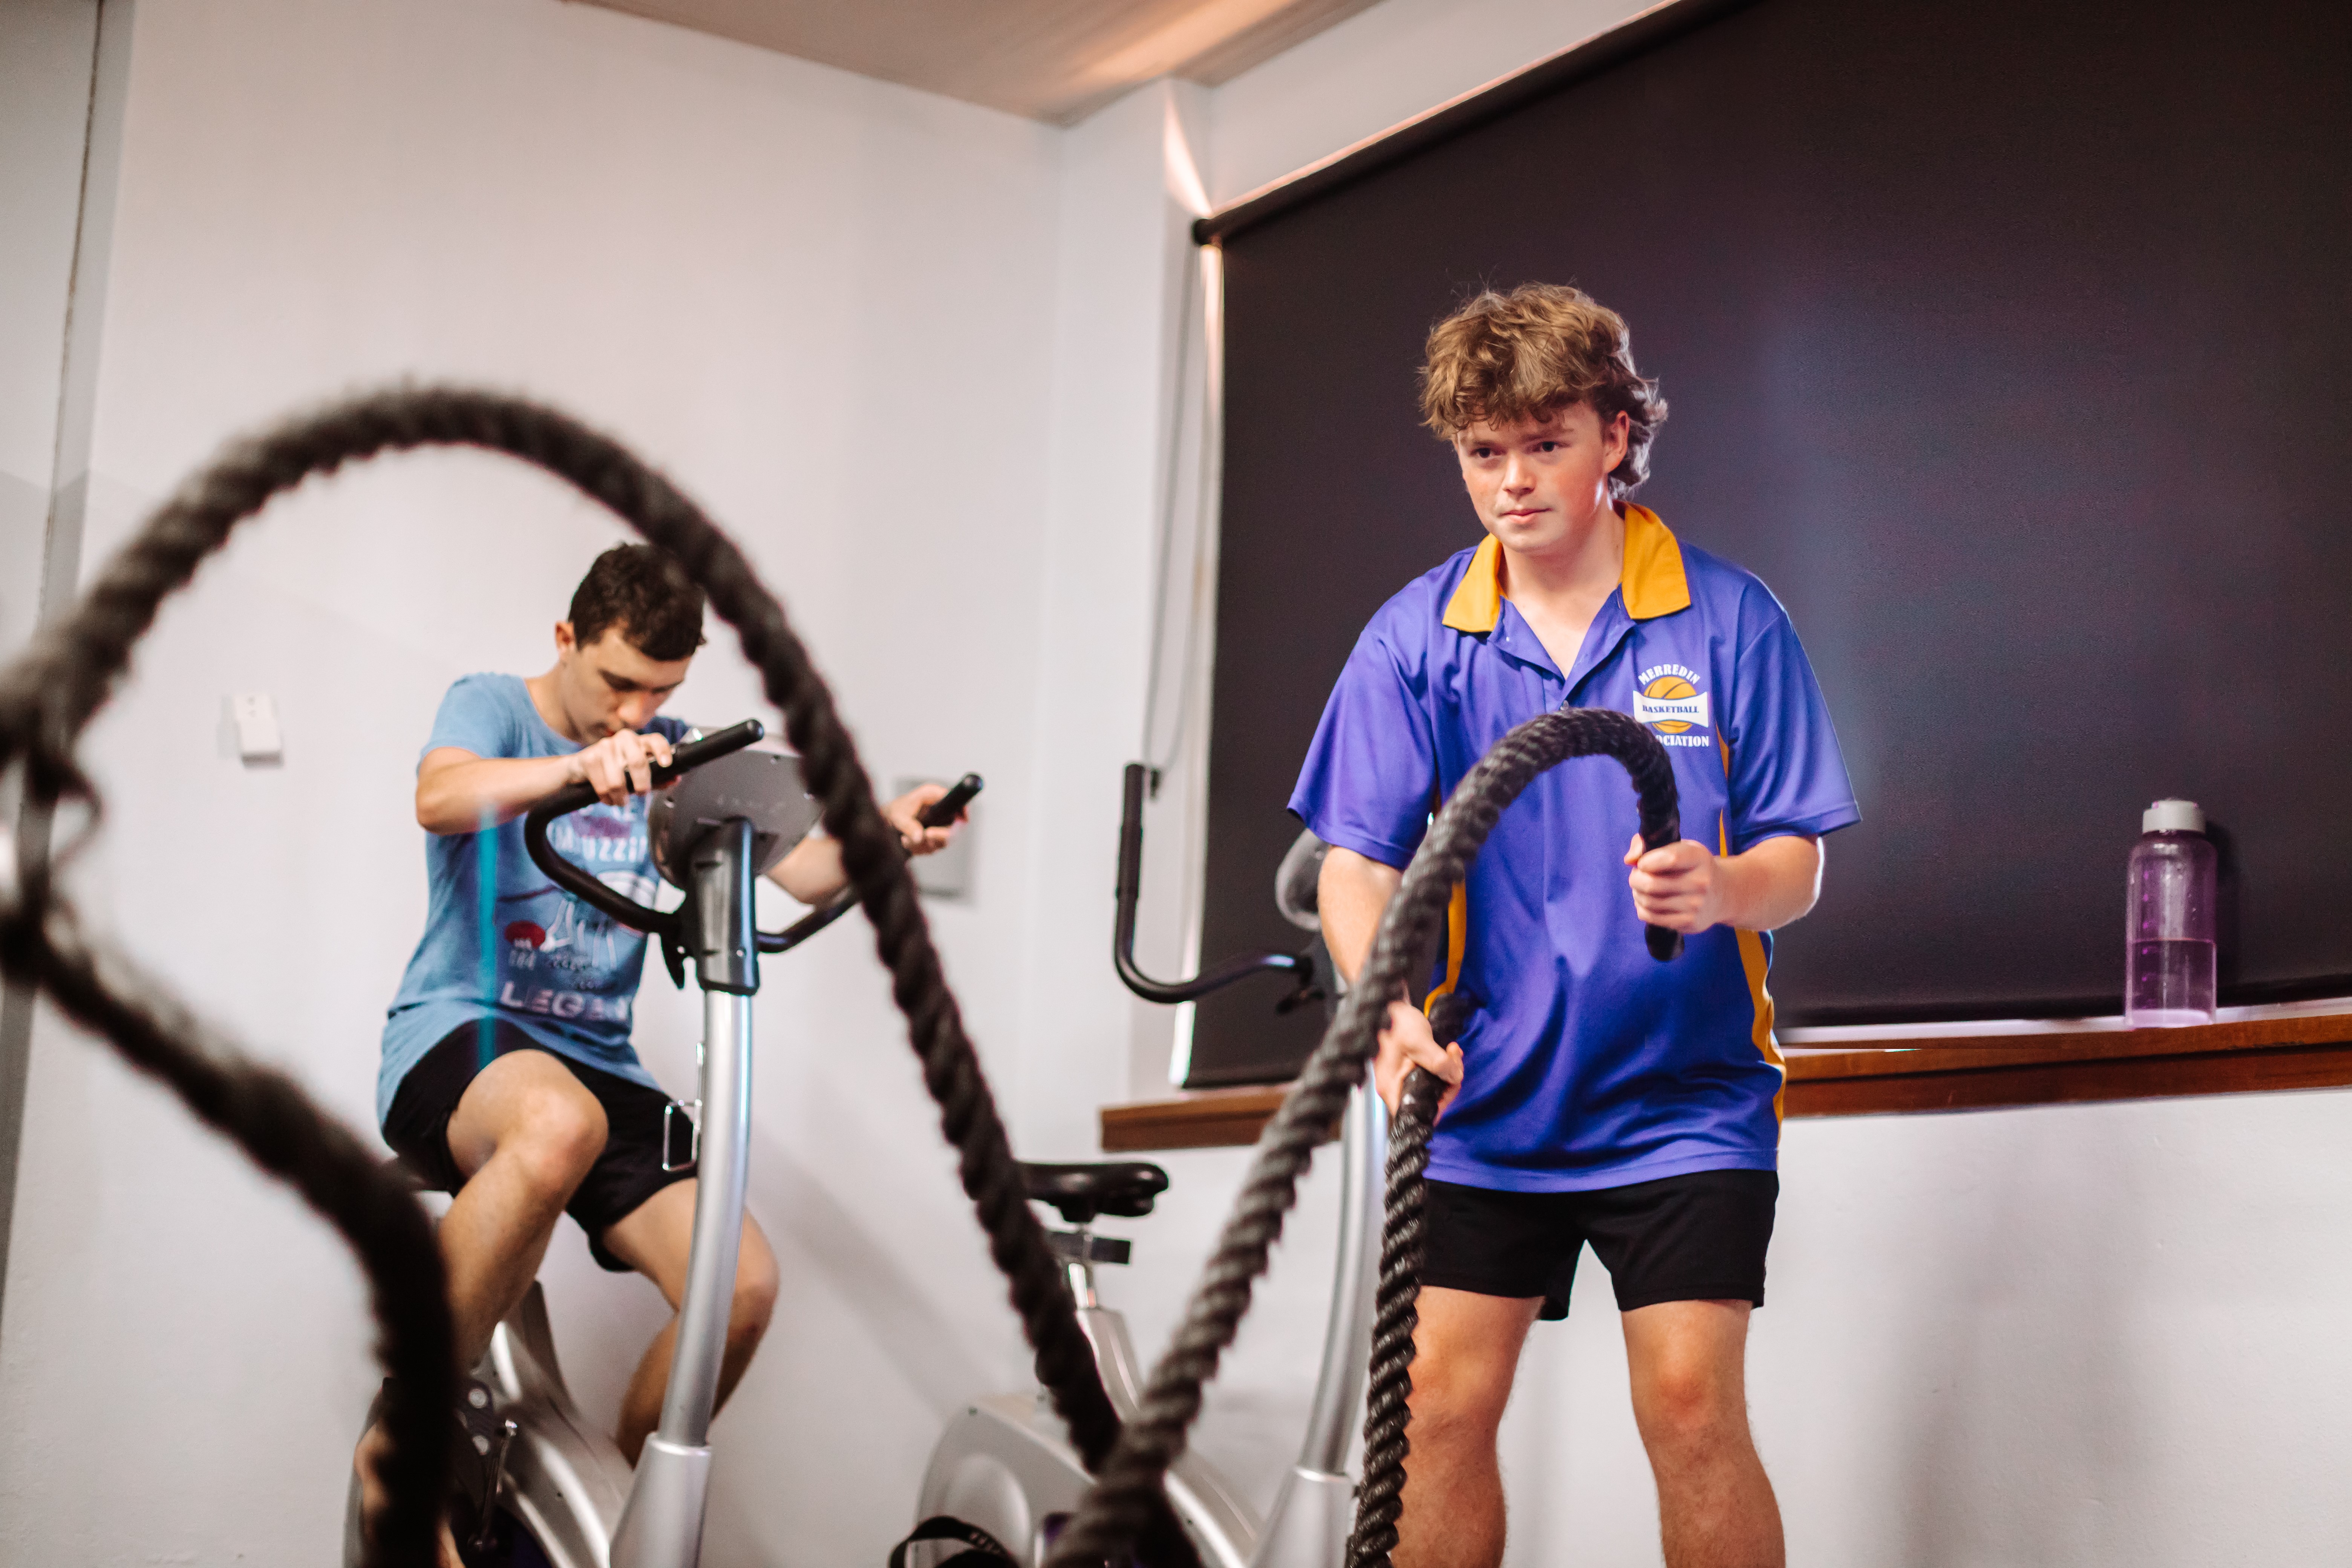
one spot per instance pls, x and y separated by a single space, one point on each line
1652 581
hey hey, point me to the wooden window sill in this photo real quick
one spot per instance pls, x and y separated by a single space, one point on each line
1867 1077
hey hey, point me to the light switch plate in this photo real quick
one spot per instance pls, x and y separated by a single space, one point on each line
254 717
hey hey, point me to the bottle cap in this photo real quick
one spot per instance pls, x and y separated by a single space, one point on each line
2172 816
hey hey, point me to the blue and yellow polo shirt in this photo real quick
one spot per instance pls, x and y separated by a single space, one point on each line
1588 1063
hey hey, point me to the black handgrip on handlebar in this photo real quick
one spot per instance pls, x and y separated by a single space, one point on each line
575 879
688 755
1130 892
942 812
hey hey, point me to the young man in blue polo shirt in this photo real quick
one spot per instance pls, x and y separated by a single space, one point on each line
1597 1095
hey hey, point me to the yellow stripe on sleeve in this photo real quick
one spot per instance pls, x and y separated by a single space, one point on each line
1751 962
1457 939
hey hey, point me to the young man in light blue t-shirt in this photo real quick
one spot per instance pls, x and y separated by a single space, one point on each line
508 1077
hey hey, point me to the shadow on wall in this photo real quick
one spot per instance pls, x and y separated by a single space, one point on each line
819 1237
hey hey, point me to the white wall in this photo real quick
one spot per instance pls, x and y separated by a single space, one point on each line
826 306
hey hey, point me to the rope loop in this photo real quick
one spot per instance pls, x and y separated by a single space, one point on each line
47 696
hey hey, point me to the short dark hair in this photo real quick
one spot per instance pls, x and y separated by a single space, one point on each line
645 592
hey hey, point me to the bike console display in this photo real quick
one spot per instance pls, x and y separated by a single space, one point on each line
762 786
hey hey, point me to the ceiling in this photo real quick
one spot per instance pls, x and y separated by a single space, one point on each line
1055 60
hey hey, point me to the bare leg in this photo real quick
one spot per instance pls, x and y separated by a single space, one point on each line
1465 1353
1715 1508
523 1134
655 1240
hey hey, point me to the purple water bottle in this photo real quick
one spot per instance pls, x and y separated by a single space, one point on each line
2168 920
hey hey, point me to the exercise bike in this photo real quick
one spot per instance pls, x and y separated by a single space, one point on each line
1003 1476
557 1491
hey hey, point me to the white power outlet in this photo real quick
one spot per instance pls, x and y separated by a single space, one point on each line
255 718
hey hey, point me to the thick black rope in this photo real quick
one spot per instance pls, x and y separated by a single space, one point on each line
1396 1314
1116 1510
1395 1299
48 695
280 1128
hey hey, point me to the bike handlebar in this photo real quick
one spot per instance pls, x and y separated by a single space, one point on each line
1240 966
575 879
940 813
1664 944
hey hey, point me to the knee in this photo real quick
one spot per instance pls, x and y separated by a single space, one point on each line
1687 1405
755 1296
561 1134
1454 1404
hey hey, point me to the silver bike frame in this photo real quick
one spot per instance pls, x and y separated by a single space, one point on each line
1315 1510
662 1526
564 1480
1005 1464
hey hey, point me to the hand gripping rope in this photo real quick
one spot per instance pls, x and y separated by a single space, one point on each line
1117 1509
47 696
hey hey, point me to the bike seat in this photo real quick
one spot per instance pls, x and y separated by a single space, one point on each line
1079 1192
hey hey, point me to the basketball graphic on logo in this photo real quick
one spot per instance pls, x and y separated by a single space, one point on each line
1665 688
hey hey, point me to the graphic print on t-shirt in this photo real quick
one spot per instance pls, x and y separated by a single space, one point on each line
561 958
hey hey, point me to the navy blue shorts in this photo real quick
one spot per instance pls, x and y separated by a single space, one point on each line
624 1176
1696 1237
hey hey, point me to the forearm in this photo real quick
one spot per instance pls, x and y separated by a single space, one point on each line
812 872
459 795
1350 895
1768 887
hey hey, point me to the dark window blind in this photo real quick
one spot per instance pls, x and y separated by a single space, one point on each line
2007 341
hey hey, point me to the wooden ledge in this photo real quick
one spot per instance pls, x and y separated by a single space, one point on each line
1198 1119
1897 1074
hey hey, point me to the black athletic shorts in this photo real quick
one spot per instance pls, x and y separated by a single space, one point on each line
624 1176
1696 1238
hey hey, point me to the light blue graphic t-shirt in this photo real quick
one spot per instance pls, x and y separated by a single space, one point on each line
501 939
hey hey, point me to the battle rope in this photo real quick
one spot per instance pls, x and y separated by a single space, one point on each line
1381 1498
47 696
268 1115
1395 1313
1115 1511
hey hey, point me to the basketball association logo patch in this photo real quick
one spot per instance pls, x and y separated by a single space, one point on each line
1668 699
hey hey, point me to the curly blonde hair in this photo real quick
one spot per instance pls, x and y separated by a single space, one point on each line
1527 354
